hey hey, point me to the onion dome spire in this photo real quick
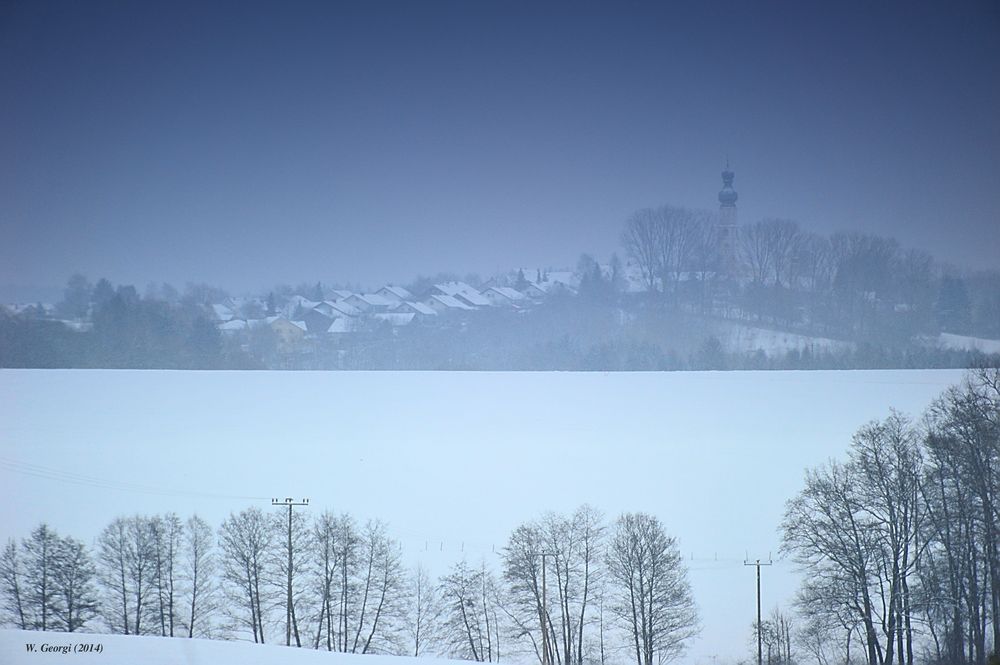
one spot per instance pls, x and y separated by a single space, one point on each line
727 197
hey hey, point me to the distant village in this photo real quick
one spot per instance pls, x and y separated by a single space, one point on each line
697 291
344 313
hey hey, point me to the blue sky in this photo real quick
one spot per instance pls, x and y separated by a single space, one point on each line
247 143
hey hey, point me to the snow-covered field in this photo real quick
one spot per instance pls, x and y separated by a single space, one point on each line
452 460
739 338
132 650
966 343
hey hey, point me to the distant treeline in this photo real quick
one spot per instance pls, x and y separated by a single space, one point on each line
120 329
853 286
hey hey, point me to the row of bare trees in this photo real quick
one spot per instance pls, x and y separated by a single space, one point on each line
850 283
571 588
579 590
899 542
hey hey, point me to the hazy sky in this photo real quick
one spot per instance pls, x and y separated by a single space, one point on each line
246 144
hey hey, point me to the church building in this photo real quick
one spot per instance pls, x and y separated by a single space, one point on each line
727 224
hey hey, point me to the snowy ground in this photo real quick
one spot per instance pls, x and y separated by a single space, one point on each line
739 338
133 650
452 460
966 343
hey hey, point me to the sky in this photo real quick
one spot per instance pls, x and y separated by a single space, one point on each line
453 461
246 144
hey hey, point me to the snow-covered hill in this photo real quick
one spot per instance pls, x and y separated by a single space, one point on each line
966 343
743 339
16 648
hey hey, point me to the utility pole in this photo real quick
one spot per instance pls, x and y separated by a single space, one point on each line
760 642
289 614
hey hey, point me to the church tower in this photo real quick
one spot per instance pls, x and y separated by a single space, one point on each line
727 224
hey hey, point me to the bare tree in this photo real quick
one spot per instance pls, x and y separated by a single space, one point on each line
126 568
652 595
290 540
327 552
573 549
522 572
48 582
826 531
350 559
767 248
383 603
887 457
642 241
141 560
73 581
39 554
357 587
424 612
776 637
663 242
469 618
198 573
112 559
245 540
12 579
964 441
166 533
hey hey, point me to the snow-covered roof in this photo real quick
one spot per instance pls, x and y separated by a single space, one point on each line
338 308
450 302
271 320
418 307
535 285
373 299
233 325
453 288
302 301
342 293
507 292
222 313
473 298
397 291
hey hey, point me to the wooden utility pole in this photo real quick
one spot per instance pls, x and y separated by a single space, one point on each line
760 631
289 612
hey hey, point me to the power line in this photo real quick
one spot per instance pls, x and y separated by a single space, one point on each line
49 473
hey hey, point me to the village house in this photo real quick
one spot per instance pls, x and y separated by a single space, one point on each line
504 296
443 303
369 302
419 309
290 333
394 293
